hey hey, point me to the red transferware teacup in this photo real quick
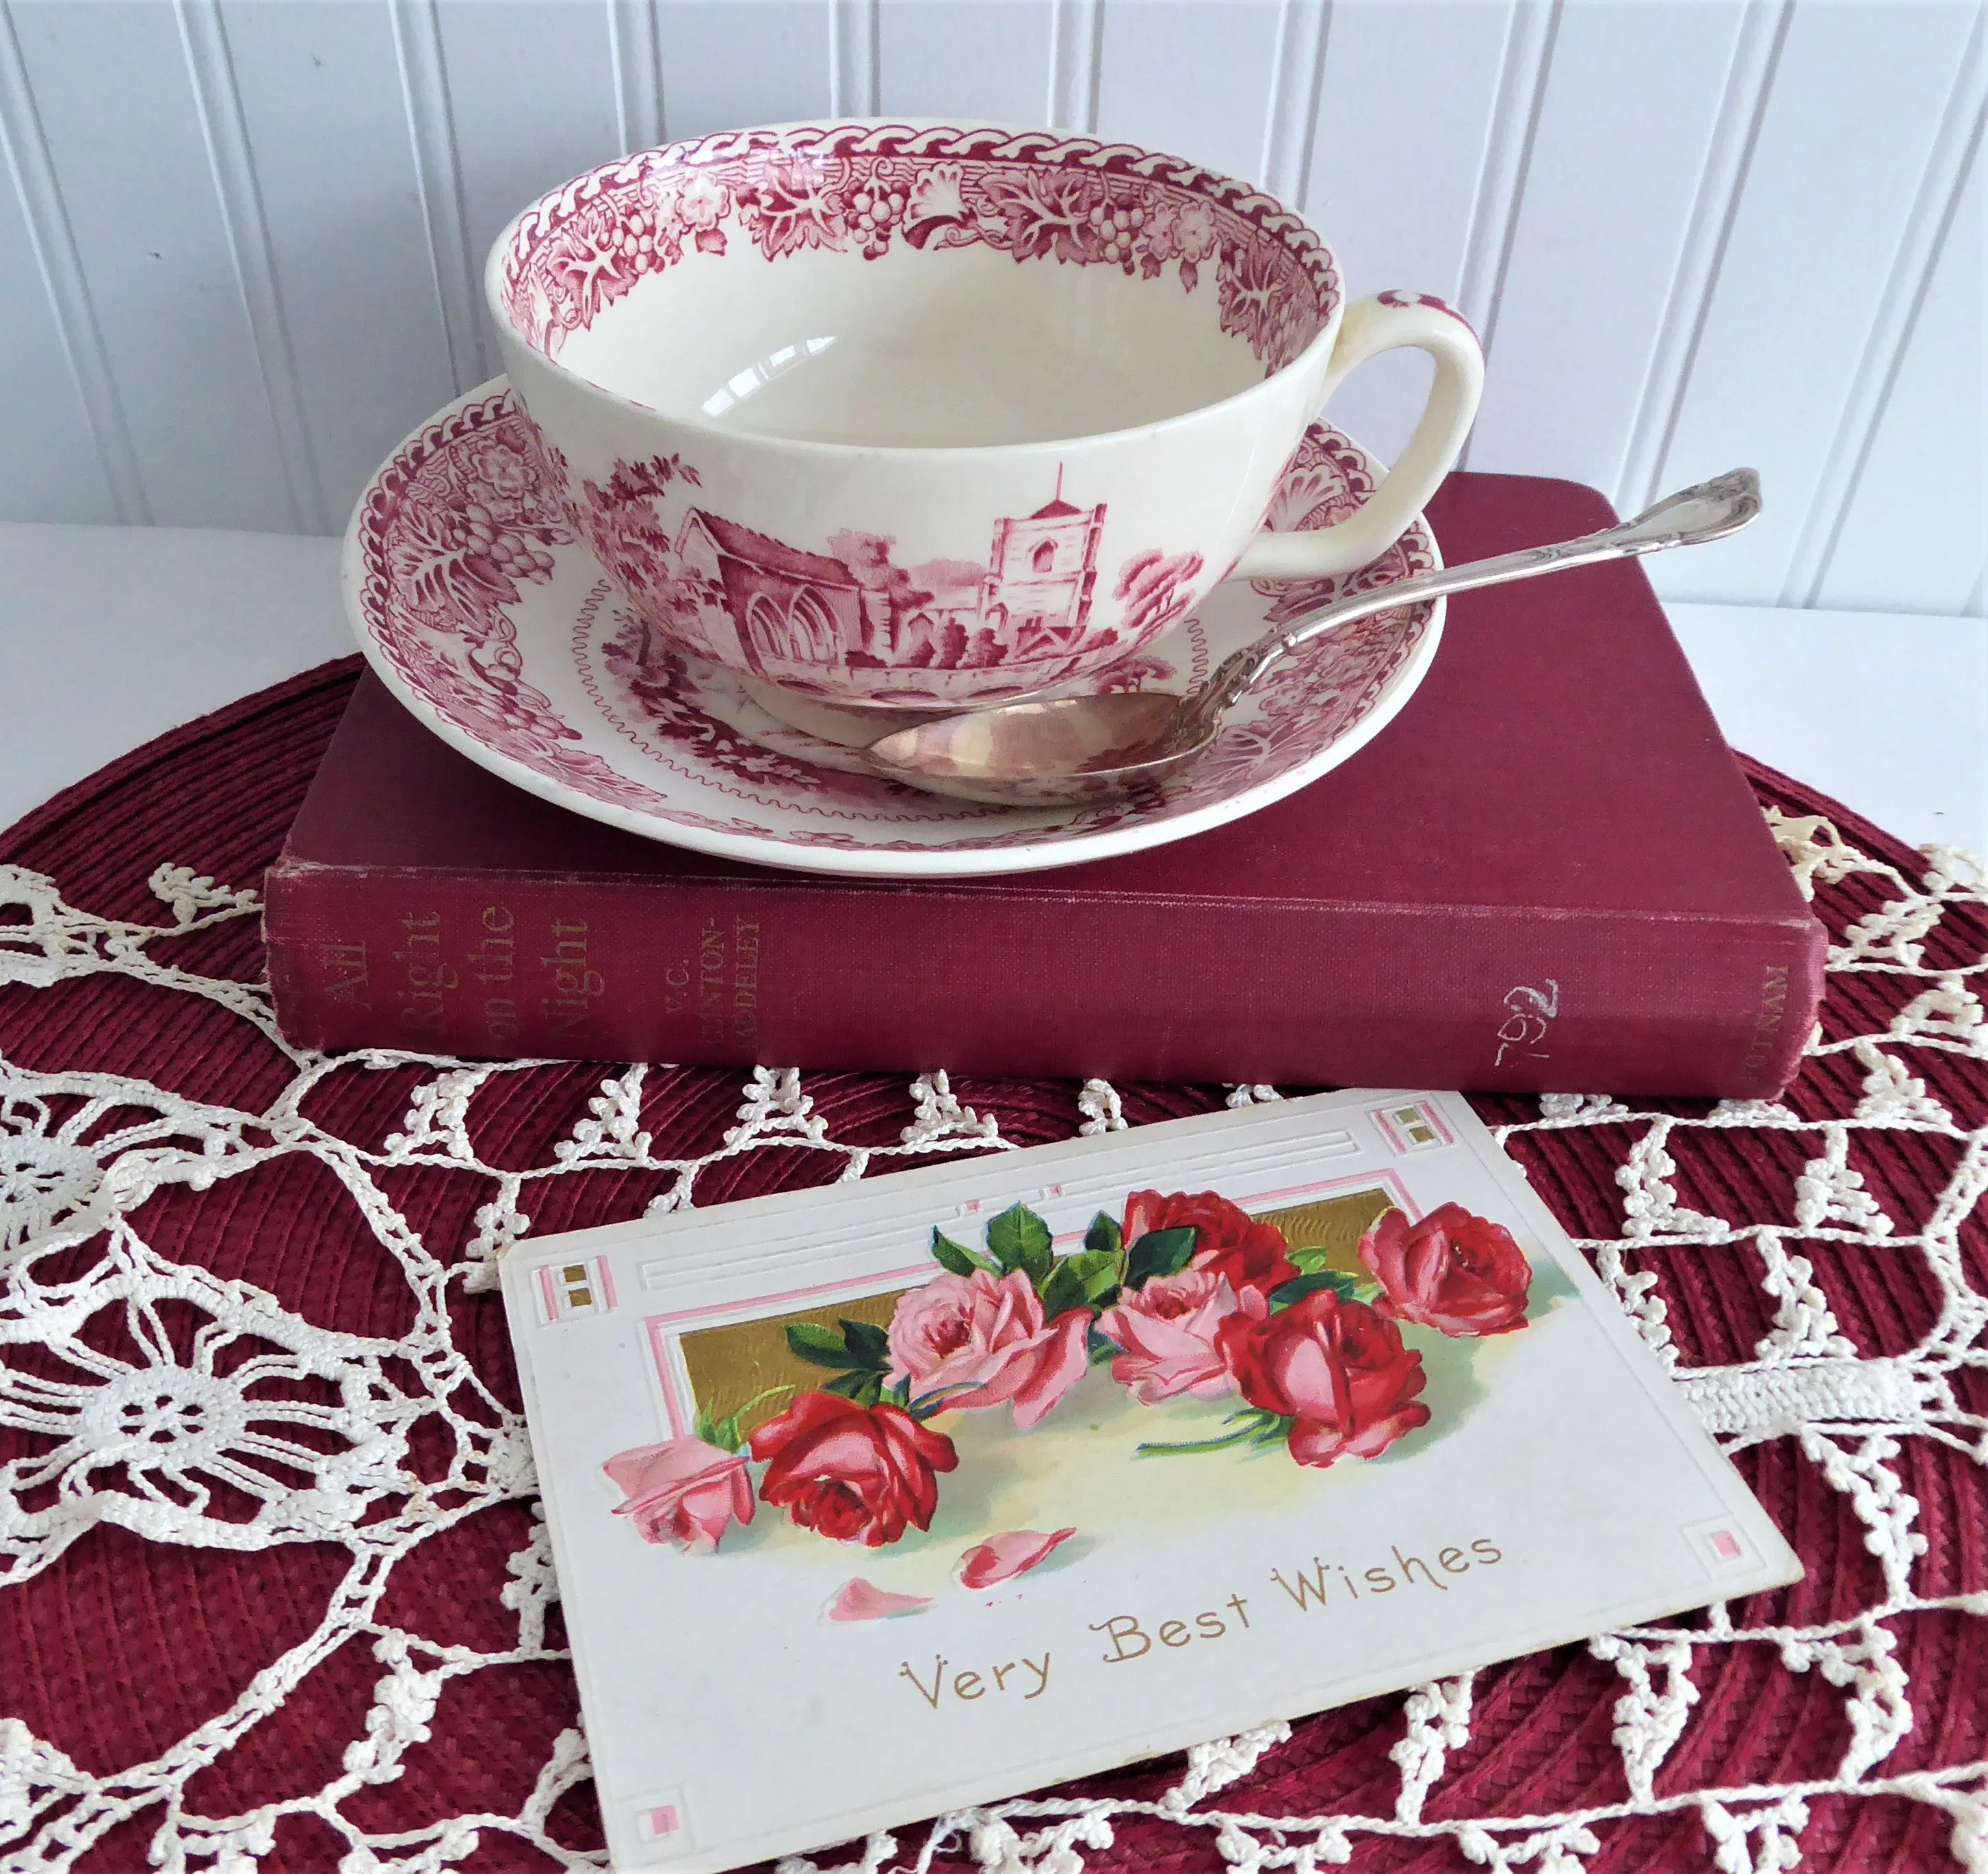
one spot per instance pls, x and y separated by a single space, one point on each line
921 415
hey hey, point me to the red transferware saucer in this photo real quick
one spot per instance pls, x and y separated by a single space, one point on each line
477 604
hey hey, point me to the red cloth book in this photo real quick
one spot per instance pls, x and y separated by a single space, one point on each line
1547 874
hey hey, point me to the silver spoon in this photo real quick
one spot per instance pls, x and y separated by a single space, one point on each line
1077 749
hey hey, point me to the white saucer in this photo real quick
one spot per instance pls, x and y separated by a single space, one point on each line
479 610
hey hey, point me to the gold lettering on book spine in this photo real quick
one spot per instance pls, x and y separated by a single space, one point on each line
346 974
745 985
573 985
493 961
426 979
1774 1015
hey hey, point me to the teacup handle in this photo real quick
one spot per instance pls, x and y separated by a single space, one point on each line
1385 323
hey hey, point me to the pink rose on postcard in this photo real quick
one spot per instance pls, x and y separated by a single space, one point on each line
986 1334
855 1474
1459 1274
1335 1367
683 1491
1166 1331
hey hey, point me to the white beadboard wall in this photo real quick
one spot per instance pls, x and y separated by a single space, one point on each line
239 254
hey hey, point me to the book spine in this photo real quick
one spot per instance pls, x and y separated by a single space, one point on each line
1039 983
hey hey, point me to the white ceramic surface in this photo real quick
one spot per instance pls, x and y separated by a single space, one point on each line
486 615
925 415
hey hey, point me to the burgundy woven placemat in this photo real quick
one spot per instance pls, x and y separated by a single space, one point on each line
131 1728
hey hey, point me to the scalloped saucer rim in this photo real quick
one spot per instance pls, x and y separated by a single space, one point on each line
515 730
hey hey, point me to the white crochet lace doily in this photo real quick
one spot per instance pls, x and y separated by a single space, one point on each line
80 1152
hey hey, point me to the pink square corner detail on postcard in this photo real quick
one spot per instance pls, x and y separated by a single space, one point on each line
1415 1125
657 1820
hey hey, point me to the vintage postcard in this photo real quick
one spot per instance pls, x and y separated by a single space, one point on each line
883 1499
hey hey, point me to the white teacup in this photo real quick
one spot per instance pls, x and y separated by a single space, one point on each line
923 414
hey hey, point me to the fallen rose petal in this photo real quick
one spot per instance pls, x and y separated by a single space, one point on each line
1001 1557
857 1600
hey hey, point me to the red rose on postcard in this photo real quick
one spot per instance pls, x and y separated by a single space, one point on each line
1336 1366
857 1474
986 1334
1228 1240
1457 1272
683 1491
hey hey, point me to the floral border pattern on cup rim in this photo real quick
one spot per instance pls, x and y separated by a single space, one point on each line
1033 193
458 528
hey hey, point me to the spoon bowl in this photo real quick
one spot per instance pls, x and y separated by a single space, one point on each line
1055 751
1044 753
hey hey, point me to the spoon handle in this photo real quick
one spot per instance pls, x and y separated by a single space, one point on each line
1709 511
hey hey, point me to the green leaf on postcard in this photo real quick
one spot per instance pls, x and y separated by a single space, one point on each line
867 1343
820 1346
865 1388
1097 1270
1018 1238
956 1258
1159 1252
1063 1291
1341 1284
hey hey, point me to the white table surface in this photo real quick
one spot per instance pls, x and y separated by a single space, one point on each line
111 635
